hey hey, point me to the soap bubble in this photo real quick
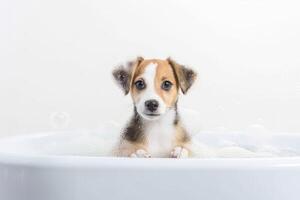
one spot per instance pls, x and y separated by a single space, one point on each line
257 129
220 108
59 120
298 87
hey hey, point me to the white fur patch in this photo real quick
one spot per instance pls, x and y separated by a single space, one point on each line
160 135
160 131
150 93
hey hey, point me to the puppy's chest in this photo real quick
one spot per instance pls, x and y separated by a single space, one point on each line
160 139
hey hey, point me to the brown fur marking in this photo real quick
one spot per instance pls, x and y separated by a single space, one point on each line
164 72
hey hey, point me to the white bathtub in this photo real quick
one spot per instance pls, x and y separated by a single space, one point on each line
56 59
45 176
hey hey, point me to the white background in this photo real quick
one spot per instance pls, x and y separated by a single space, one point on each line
56 57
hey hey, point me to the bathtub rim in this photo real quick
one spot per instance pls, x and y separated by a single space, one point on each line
94 162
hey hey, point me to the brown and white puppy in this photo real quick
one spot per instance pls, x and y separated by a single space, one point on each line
155 129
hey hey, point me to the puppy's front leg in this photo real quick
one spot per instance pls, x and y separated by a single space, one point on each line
180 152
133 150
140 153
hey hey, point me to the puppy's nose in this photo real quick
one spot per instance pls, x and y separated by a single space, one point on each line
152 105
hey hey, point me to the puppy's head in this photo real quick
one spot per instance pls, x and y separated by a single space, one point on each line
154 84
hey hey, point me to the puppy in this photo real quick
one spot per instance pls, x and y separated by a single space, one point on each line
155 129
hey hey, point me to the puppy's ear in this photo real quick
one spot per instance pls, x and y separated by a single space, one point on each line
185 76
123 74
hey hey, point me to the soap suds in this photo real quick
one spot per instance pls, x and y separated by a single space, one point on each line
254 141
100 142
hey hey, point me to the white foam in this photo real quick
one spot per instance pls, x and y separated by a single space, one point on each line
206 144
101 142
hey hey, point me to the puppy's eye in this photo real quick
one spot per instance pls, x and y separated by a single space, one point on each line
166 85
140 84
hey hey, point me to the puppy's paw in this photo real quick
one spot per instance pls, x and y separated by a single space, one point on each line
140 153
179 152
